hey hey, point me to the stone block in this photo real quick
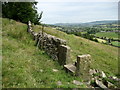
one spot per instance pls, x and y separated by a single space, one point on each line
83 66
29 26
70 68
64 55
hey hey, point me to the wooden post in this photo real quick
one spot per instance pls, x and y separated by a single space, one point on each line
38 41
42 36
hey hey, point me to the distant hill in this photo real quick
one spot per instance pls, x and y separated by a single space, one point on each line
88 23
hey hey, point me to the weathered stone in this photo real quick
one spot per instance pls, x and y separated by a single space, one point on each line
70 68
78 66
29 23
100 84
29 26
64 55
35 34
87 83
55 70
92 71
114 78
110 85
83 66
41 70
59 83
103 74
47 42
62 41
77 82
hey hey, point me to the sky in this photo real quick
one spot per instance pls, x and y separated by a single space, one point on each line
77 11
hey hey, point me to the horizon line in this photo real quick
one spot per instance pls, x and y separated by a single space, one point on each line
82 22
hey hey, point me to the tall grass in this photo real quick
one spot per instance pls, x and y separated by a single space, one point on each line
104 57
25 66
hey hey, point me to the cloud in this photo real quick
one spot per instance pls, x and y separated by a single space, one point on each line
54 12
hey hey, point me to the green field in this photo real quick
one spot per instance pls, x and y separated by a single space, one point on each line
25 66
107 34
115 43
83 32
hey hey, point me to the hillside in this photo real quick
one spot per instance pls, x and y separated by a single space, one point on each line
24 65
104 57
88 23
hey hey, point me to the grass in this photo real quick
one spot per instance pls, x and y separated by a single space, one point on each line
25 66
101 58
23 62
83 32
107 34
115 43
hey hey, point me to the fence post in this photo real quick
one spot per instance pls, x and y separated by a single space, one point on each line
29 26
42 37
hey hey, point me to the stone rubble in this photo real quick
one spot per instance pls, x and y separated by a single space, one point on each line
83 66
59 83
41 70
55 70
98 79
77 82
114 78
103 75
100 84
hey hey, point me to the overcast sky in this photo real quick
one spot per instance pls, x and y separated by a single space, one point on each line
77 11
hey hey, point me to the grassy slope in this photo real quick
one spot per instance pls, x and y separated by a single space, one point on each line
22 62
104 57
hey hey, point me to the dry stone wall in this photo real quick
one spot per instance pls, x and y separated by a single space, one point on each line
57 49
50 44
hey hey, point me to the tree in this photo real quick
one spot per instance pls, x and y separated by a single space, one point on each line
21 11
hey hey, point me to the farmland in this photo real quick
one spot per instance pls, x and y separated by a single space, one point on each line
107 34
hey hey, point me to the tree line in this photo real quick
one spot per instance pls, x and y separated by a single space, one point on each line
21 11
